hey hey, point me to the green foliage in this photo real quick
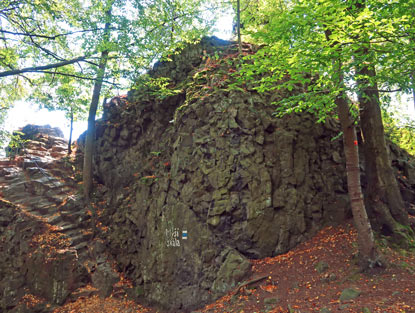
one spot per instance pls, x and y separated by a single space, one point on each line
42 32
16 144
312 48
160 87
401 132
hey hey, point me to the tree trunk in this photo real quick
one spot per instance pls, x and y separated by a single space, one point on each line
413 87
70 134
383 197
368 256
90 135
238 25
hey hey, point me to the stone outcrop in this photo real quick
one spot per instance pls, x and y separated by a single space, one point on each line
45 232
215 163
194 180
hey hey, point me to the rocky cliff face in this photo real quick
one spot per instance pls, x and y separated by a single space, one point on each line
202 180
43 229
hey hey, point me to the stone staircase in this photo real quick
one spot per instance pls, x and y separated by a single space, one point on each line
39 199
40 181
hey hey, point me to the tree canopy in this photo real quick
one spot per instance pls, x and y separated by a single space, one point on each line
294 37
49 47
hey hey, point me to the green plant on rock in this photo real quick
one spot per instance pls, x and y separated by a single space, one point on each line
16 144
159 87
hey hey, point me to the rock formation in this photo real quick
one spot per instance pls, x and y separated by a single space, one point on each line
44 229
200 180
194 179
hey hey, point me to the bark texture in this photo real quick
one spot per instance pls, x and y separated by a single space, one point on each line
70 134
90 136
383 198
368 256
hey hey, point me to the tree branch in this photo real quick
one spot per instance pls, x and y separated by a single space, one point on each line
77 76
50 37
395 90
47 51
41 68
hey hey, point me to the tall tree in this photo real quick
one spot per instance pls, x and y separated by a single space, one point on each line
139 33
90 135
368 254
383 195
299 55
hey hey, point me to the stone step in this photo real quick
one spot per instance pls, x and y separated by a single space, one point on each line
36 152
57 155
5 162
36 161
75 217
36 145
55 220
74 232
60 148
81 247
13 172
5 169
58 141
83 237
83 293
46 210
16 190
39 201
57 199
59 172
66 227
34 171
45 186
21 200
14 178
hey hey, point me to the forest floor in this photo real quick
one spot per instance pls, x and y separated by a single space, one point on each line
313 277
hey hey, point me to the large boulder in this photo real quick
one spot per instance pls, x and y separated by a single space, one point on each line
221 169
198 182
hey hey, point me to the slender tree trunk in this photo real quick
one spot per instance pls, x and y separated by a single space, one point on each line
383 199
238 25
413 86
70 134
90 135
368 256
